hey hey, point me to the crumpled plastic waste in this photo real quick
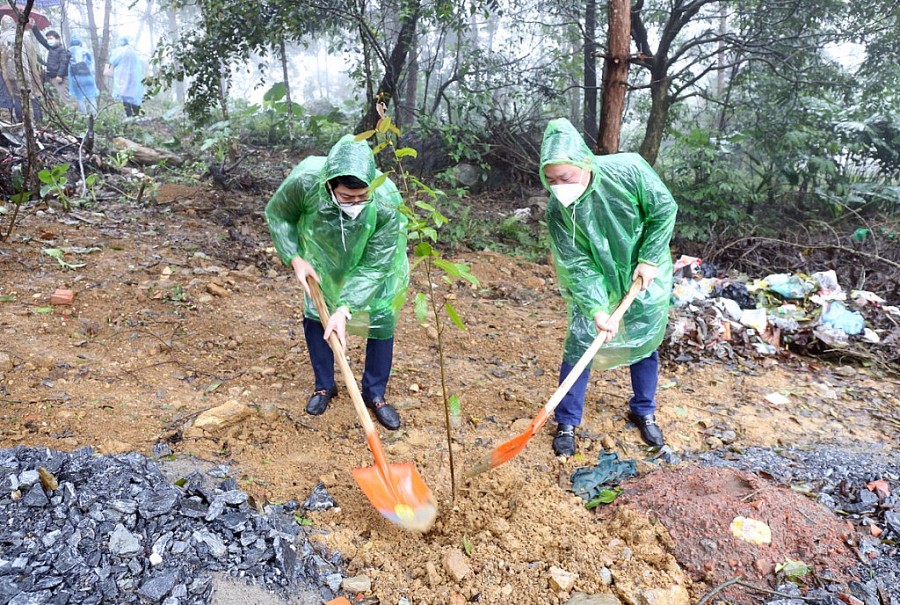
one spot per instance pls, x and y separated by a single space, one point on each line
751 530
736 292
789 286
754 318
730 307
837 315
692 290
610 470
829 288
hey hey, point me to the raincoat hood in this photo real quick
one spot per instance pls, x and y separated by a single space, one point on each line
74 41
563 144
350 158
123 41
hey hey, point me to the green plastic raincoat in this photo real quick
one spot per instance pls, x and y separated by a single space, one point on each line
362 262
625 217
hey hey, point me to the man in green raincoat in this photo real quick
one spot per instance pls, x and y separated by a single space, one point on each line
329 225
610 220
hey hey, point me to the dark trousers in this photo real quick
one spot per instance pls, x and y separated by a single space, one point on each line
644 379
131 111
379 358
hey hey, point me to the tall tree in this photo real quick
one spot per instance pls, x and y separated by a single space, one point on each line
590 72
615 76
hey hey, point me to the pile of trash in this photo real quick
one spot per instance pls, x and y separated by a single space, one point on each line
811 314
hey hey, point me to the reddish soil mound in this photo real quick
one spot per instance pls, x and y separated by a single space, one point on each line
697 506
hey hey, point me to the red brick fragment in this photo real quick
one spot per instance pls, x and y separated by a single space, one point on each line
62 296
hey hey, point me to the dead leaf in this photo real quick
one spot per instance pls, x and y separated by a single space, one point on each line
880 487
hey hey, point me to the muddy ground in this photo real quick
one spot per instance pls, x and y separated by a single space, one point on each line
181 306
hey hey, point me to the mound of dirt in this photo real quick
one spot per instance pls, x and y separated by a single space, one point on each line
697 505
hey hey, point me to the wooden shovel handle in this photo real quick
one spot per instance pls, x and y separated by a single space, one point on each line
349 381
585 359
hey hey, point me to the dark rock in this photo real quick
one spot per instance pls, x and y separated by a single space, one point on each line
319 499
156 503
123 542
158 586
35 497
40 597
161 449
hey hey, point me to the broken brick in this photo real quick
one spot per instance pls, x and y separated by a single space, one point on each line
62 296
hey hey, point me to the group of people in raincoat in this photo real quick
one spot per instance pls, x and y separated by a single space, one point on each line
610 220
68 73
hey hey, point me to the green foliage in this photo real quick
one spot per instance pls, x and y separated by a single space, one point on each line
54 181
794 571
606 496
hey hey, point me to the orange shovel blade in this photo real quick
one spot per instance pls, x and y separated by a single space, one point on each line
512 448
403 497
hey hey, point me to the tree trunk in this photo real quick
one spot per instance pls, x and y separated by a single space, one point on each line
24 82
388 87
615 76
590 73
659 113
172 17
287 89
102 58
410 97
95 39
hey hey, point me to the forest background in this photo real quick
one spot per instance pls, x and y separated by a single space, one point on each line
770 121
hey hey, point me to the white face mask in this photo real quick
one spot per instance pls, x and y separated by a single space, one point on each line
567 193
351 210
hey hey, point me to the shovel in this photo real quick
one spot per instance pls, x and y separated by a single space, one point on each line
397 491
509 450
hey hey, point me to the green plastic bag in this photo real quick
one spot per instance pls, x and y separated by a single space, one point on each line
625 217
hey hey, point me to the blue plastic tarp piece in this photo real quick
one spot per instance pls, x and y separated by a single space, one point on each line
610 470
838 316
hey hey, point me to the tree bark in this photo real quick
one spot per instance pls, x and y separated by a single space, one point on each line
172 17
410 97
24 82
659 114
287 88
615 76
590 73
95 41
103 57
388 88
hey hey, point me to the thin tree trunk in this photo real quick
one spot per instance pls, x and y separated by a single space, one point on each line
590 73
410 98
95 36
103 56
395 63
659 113
172 18
287 88
24 82
615 76
64 21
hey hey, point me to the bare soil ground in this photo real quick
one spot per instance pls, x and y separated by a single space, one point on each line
182 308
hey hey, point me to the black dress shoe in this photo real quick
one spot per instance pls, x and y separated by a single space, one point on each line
319 401
384 413
650 431
564 441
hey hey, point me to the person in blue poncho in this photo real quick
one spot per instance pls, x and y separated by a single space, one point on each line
128 75
82 85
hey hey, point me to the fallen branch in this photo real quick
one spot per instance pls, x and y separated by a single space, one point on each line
853 251
718 589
